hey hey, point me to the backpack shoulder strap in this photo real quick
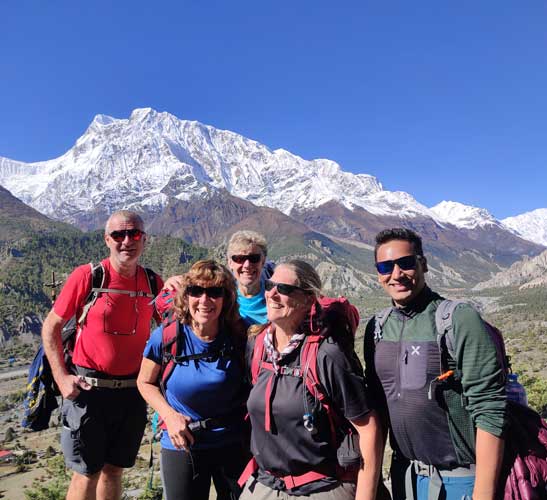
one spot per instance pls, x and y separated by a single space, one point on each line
171 345
258 355
97 283
310 373
308 362
152 281
151 293
445 329
380 319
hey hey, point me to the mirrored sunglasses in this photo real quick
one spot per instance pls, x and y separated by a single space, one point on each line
134 234
406 263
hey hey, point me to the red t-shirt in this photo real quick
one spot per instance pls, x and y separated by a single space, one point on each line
117 326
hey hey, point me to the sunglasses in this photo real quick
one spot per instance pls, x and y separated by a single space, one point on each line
282 288
213 292
253 258
406 263
134 234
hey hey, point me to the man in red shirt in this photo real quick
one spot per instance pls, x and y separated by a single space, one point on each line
103 414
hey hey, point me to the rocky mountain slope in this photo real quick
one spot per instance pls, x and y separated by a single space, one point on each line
17 219
527 273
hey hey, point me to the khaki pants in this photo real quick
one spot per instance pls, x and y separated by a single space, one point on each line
255 490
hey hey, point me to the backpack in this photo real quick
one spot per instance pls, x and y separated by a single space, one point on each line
42 392
331 311
524 469
173 341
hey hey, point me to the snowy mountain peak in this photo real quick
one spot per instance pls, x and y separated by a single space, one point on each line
102 120
463 216
143 161
531 226
142 113
146 160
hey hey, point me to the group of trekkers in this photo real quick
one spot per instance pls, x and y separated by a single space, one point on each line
246 338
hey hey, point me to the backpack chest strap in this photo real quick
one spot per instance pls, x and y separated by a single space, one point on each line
293 371
131 293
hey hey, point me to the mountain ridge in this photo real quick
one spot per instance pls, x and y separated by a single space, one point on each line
244 167
526 273
159 165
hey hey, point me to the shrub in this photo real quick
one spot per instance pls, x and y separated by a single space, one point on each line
56 488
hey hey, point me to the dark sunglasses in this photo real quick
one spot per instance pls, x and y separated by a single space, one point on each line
282 288
134 234
213 292
406 263
253 258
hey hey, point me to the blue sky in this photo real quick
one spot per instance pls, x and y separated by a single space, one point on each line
442 99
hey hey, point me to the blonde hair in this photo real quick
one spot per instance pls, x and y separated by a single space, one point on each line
245 239
306 278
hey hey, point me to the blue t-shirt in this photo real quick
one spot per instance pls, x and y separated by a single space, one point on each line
203 389
253 309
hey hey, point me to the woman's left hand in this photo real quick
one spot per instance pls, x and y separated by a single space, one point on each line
177 428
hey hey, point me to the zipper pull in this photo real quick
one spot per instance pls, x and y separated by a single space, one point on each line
440 378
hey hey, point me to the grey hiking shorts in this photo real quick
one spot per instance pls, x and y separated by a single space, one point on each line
102 426
255 490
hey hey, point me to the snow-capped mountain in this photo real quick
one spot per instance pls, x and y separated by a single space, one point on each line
144 161
531 226
463 216
201 183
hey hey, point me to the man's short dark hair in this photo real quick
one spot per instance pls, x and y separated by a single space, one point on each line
399 233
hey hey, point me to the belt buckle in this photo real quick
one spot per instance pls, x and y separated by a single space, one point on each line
207 424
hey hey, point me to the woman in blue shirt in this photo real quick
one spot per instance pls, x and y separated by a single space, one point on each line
207 392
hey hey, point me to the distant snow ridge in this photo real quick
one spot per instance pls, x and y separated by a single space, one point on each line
463 216
531 226
143 161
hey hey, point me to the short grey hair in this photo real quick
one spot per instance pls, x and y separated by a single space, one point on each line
306 276
245 239
127 215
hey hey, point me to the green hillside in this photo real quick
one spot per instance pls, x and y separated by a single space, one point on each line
27 269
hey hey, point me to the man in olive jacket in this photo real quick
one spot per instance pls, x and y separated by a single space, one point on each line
433 457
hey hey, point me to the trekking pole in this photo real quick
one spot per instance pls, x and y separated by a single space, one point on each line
154 423
53 285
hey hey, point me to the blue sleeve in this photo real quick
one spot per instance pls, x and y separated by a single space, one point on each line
153 349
